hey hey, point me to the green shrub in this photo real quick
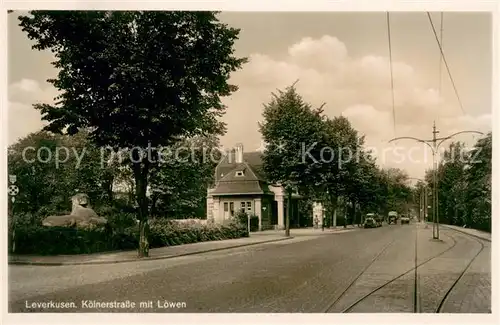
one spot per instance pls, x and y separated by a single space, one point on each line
170 233
241 218
60 240
39 240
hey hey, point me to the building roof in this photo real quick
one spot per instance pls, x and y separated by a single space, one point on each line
252 181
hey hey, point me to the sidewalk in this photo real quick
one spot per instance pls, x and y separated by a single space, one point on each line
154 253
307 231
255 238
472 232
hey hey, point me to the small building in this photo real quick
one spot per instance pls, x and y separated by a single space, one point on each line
241 185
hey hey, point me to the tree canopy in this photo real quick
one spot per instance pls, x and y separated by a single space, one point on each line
136 80
51 168
464 184
325 157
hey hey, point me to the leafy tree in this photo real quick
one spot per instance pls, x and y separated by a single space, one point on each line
368 187
478 178
452 185
464 185
399 194
291 126
179 184
50 168
137 79
339 174
418 193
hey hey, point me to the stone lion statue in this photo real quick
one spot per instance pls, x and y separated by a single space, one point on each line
81 215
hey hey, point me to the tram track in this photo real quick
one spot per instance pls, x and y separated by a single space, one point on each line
416 283
414 269
442 302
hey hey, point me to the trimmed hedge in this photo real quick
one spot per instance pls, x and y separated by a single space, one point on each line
168 233
39 240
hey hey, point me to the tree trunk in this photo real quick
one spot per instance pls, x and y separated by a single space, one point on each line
108 185
334 202
353 212
131 193
455 217
154 200
289 207
141 181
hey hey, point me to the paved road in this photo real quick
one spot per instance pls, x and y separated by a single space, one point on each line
306 274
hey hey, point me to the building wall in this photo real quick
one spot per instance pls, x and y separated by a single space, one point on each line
261 206
220 204
266 212
210 206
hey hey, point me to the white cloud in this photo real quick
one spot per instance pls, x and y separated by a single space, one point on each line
358 88
23 118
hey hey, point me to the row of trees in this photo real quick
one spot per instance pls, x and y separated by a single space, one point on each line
136 80
325 160
464 184
50 168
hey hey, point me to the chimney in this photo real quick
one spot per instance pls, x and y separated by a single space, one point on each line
239 153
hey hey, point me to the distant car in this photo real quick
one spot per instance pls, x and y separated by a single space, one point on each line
405 220
378 219
393 217
370 223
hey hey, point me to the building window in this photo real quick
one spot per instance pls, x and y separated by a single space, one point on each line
239 173
231 208
249 206
225 207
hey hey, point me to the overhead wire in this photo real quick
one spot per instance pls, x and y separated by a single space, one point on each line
445 62
392 76
440 57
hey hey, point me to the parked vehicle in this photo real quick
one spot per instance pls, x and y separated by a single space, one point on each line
378 219
405 220
393 217
370 223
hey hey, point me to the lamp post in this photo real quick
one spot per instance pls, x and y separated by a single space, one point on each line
434 144
422 201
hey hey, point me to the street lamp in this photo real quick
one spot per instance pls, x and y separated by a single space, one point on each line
423 201
434 144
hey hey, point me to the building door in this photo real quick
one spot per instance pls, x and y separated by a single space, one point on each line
274 212
226 211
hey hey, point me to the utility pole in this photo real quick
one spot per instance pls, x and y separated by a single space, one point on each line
422 201
421 206
425 203
434 144
435 220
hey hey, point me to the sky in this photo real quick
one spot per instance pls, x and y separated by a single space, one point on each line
338 58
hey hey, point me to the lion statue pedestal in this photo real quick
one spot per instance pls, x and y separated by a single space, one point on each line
82 215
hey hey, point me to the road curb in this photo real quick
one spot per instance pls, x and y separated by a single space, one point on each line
466 233
144 259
